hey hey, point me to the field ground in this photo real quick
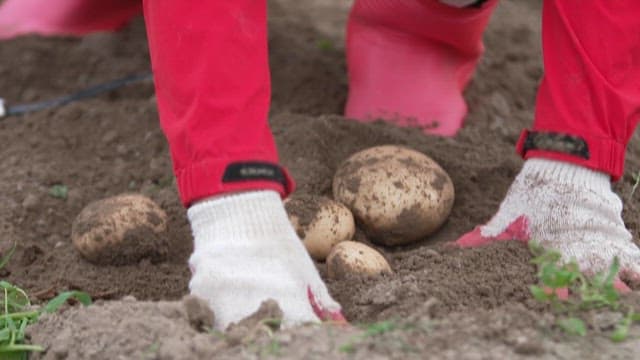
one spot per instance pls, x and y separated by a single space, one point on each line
440 303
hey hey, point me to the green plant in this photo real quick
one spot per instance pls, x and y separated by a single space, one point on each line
59 191
636 179
18 313
325 45
151 351
596 292
368 330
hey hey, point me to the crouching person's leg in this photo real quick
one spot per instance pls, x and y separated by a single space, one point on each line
588 106
410 60
64 17
212 82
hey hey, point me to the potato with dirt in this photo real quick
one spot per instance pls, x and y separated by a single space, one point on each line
320 223
354 258
397 195
121 230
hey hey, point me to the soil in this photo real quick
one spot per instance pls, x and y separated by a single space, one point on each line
304 209
440 302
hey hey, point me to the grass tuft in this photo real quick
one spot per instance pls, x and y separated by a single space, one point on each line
18 313
597 292
636 179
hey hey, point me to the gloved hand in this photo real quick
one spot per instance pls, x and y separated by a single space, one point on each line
567 208
245 252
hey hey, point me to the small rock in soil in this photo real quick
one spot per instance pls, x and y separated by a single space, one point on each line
198 312
30 201
249 328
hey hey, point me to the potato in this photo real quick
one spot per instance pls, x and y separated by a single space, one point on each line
397 195
320 223
121 230
354 258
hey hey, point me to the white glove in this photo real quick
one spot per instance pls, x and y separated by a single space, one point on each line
245 252
567 208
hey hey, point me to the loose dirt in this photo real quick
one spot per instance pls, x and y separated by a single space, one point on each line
440 302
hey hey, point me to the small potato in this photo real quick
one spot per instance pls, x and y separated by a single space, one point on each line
354 258
397 195
320 223
121 230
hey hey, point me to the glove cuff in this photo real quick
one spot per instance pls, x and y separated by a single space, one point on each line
254 214
545 170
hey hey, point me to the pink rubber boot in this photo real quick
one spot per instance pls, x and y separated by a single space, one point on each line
64 17
410 60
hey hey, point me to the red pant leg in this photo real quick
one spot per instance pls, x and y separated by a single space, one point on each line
212 83
64 17
591 88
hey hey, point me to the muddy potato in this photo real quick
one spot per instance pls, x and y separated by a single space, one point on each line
121 230
354 258
397 195
320 223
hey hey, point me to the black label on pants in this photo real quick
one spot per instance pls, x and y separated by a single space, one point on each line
563 143
254 170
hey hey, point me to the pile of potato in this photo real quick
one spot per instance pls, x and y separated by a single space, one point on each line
396 196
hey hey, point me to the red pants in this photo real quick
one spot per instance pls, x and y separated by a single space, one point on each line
212 83
212 80
591 86
213 88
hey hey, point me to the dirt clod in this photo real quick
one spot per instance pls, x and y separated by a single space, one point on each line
267 318
198 312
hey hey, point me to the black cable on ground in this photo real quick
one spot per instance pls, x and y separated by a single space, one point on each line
80 95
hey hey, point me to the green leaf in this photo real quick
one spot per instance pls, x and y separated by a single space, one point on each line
59 191
539 293
13 355
613 272
325 44
54 304
5 259
379 328
548 274
563 278
5 335
536 250
622 328
636 178
620 333
348 348
573 326
15 298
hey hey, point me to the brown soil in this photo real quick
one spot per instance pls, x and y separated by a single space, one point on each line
304 208
445 303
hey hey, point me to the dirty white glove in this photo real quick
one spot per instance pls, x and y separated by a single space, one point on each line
245 252
567 208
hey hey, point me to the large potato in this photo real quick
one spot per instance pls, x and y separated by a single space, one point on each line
397 195
320 223
354 258
121 230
